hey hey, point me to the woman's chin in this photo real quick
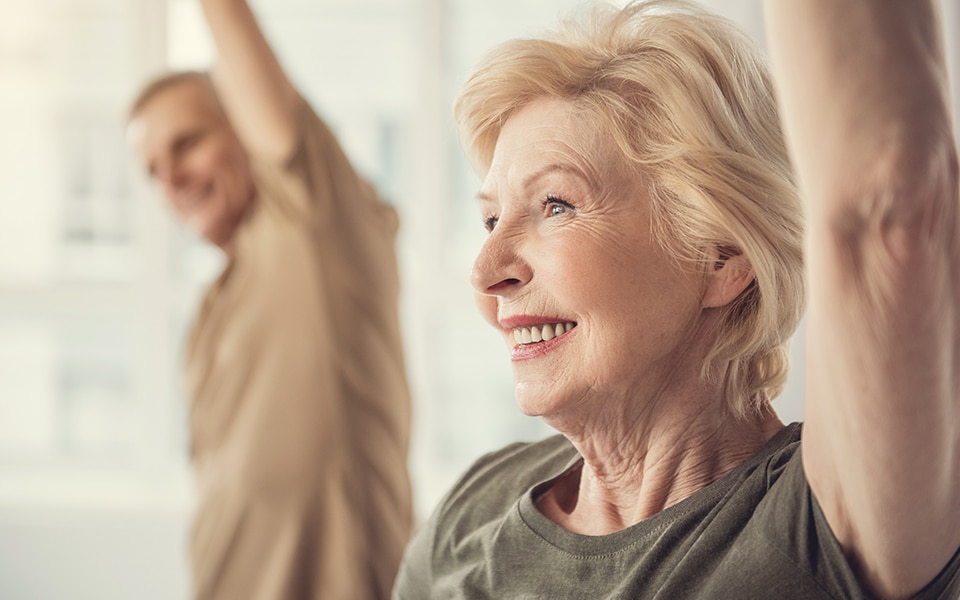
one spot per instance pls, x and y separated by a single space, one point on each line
537 399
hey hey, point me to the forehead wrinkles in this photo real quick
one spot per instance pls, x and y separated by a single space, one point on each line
565 140
585 148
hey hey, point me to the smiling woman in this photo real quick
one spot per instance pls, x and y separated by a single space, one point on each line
573 244
643 264
97 287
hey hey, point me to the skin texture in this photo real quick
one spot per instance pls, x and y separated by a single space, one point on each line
190 150
865 107
570 241
256 93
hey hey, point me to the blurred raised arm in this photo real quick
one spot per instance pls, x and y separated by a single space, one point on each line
260 100
864 95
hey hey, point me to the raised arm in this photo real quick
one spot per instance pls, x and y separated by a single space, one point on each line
864 94
254 90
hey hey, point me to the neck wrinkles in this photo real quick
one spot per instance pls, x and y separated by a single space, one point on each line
635 465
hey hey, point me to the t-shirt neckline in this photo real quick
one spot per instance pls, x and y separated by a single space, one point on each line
593 546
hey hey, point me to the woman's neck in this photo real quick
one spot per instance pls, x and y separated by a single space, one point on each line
636 466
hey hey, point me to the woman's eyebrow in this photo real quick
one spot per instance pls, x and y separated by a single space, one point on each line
532 178
553 168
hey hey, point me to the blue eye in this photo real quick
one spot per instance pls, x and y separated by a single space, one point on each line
556 206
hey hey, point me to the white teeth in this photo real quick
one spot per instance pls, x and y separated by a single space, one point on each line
537 333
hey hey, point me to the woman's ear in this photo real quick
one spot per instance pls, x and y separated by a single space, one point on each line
730 274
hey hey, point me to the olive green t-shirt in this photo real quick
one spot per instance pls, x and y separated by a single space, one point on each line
755 534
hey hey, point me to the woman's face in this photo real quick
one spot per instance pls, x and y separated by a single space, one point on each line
571 261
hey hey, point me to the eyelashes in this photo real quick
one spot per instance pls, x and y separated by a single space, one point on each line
553 206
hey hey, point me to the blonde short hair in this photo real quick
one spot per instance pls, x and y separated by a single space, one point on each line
688 100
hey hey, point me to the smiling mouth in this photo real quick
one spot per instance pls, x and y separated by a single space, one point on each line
541 333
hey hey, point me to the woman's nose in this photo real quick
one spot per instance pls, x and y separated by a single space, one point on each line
500 268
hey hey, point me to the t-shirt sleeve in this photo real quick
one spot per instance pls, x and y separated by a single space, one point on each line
414 577
794 525
317 183
946 585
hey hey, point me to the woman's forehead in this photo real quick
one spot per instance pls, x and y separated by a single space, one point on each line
555 135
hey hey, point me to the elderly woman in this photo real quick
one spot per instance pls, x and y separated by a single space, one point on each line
644 267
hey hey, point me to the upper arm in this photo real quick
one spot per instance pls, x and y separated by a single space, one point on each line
869 131
260 100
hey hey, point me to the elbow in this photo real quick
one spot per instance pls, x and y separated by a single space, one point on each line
903 205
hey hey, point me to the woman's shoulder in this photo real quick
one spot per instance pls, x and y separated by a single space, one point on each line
517 467
500 478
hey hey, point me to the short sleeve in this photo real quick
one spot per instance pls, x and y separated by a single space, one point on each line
413 579
317 181
794 526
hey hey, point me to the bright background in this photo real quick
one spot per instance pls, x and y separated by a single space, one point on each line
97 286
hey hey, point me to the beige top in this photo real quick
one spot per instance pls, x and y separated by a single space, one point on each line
300 408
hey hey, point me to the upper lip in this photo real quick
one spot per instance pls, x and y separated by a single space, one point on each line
516 321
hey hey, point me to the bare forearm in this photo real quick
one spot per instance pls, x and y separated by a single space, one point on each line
254 89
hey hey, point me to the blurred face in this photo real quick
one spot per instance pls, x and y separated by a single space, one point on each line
192 152
587 302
